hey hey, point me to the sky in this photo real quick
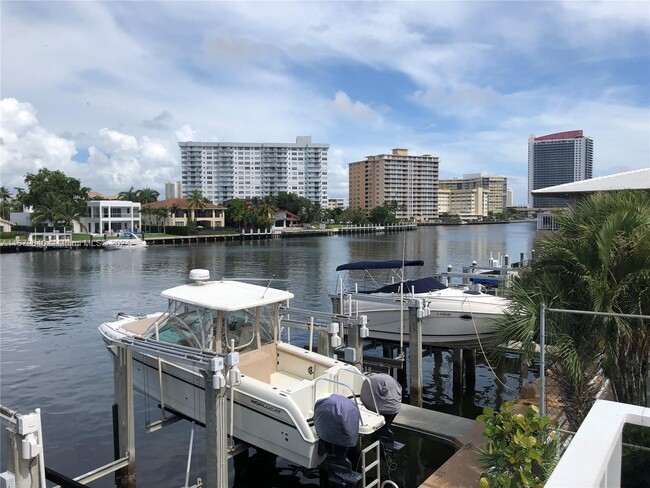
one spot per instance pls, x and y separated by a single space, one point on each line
104 91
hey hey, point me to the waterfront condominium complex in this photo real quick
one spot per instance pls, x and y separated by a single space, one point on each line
410 181
226 170
556 159
473 195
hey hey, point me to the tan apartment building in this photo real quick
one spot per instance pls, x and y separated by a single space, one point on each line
410 181
473 195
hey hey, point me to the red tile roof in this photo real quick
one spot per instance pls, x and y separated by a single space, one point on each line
570 134
181 202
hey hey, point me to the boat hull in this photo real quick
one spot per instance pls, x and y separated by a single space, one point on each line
453 321
277 420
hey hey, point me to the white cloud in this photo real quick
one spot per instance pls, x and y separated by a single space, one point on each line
117 141
342 104
115 162
467 81
185 133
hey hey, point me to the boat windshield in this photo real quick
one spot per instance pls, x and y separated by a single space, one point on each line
212 330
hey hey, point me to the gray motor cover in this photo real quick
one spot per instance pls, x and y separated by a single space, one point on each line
387 391
336 419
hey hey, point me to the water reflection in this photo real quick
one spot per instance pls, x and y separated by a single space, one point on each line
53 357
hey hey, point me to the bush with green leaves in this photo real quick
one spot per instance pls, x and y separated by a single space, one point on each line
521 450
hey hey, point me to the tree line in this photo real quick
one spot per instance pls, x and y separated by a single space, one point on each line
61 200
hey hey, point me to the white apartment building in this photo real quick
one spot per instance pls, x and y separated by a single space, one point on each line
226 170
172 189
473 195
410 181
112 216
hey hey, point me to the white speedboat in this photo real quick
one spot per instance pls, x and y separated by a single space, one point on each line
457 317
280 383
125 240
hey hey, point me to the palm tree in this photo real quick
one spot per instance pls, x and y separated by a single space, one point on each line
266 211
130 195
161 214
48 210
599 260
147 195
148 211
70 212
195 200
236 212
4 202
174 209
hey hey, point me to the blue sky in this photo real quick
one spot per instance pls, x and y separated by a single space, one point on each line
104 91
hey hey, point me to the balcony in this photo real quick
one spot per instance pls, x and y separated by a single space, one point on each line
593 458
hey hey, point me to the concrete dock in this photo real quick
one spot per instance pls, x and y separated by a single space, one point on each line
462 468
448 428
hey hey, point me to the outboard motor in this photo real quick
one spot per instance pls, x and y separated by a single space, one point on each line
336 419
387 393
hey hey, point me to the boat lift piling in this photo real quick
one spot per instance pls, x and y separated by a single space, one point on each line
125 442
416 313
216 426
25 457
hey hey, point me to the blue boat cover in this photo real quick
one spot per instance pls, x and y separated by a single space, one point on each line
422 285
392 264
336 419
387 393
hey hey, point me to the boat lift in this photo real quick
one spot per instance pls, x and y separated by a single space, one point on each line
219 371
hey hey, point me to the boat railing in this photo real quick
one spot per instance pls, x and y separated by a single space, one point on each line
364 379
353 298
338 383
335 382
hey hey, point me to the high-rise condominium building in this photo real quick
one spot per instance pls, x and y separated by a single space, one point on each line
473 195
172 189
226 170
556 159
410 181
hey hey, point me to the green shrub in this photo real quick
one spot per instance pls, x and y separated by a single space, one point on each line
520 450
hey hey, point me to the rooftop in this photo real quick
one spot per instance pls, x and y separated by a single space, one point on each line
631 180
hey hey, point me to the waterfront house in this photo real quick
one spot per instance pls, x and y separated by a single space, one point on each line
5 225
111 216
284 218
177 212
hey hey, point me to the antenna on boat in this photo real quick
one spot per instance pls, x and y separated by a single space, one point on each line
268 285
199 276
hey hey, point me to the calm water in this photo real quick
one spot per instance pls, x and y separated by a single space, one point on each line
52 356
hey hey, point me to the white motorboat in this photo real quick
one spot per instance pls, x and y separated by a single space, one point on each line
125 240
457 317
280 383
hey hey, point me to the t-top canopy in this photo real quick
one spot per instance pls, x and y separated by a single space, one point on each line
226 295
391 264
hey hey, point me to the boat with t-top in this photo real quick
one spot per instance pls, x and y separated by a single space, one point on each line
380 290
273 406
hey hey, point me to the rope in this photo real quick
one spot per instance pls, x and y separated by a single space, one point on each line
478 338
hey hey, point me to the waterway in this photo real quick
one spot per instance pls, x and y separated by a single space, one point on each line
52 356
